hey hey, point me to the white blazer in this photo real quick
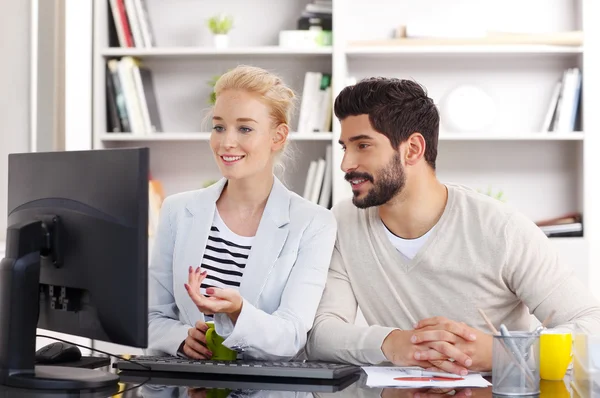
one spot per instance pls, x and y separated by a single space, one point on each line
283 280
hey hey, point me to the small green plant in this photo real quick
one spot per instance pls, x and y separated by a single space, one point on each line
213 96
498 195
220 24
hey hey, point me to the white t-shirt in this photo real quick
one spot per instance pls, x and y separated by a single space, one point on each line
408 247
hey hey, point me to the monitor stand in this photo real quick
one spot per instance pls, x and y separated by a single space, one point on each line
19 311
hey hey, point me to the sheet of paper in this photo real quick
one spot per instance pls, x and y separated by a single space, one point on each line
379 376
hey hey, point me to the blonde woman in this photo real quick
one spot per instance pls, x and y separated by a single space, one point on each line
246 252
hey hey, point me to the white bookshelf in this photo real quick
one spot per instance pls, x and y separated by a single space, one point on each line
182 64
512 136
520 51
212 52
542 174
201 136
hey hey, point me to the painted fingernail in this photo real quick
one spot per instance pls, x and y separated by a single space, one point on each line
198 269
191 269
413 339
469 362
210 290
187 287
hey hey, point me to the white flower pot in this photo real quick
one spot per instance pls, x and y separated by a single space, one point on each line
220 41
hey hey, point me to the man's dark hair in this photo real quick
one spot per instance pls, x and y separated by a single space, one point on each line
397 108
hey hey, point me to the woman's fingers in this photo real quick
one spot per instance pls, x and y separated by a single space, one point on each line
193 349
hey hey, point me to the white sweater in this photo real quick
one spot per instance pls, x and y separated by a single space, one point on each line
482 254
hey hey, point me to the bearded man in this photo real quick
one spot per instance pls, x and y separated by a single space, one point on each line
420 257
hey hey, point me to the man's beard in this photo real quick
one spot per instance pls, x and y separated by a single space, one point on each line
390 181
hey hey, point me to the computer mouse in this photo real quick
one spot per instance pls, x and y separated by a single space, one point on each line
57 353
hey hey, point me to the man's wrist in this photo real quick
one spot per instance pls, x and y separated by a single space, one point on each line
396 348
487 366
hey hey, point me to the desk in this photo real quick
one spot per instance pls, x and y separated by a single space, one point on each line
140 384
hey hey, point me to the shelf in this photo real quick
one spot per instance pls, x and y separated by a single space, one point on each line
108 137
568 240
449 50
310 136
574 136
213 52
326 136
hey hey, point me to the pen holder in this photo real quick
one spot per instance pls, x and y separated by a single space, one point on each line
516 364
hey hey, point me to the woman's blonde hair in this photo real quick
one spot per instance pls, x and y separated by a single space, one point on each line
271 90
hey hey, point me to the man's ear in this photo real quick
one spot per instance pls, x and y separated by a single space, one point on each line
415 148
280 137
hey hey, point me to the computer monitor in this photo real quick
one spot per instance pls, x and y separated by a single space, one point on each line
76 259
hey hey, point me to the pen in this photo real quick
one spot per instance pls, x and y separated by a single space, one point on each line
441 374
427 373
417 378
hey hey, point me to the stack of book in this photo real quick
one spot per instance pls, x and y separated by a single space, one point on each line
130 98
318 184
314 27
317 15
316 105
562 112
568 225
130 24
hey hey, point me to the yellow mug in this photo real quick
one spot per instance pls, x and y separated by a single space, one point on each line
554 389
555 353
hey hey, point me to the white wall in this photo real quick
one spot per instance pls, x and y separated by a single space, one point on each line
14 90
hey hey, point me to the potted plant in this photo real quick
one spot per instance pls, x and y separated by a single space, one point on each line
213 97
220 25
498 195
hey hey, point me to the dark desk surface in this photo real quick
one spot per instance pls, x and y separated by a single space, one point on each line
138 384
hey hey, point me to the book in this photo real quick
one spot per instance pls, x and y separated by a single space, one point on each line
567 225
113 121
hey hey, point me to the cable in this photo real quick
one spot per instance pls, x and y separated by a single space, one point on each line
95 350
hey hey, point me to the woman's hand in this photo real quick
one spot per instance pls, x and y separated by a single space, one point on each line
219 301
194 346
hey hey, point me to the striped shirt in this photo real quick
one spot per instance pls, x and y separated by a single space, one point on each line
225 257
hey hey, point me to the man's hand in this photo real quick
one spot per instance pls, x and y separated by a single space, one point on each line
446 339
194 346
401 351
398 349
226 301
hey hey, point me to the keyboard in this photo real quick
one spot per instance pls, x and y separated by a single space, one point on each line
293 369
